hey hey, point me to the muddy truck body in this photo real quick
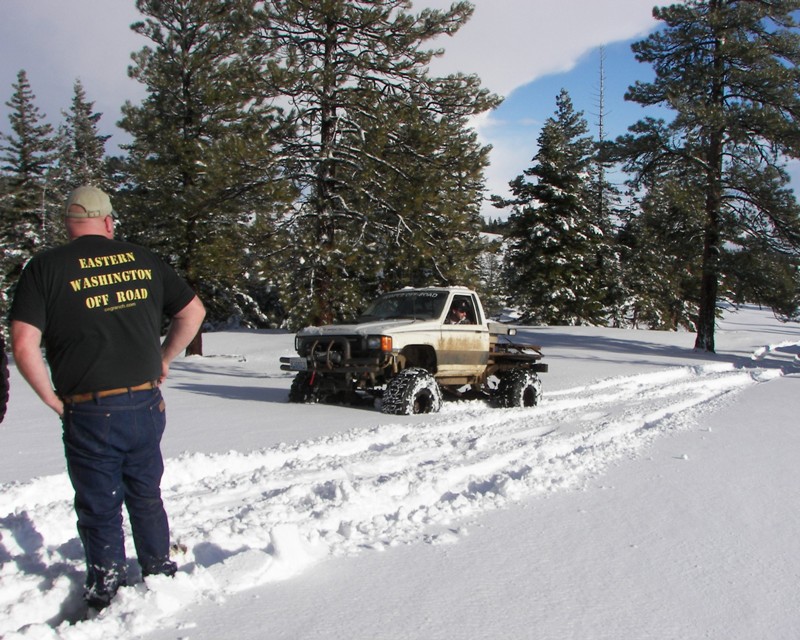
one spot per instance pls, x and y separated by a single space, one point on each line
406 350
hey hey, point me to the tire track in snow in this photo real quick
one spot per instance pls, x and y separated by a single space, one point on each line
389 484
249 518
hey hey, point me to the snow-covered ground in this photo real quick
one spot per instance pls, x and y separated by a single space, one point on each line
653 494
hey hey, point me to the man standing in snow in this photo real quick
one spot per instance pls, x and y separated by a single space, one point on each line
97 304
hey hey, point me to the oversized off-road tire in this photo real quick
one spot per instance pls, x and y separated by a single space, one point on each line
304 388
518 388
412 391
4 384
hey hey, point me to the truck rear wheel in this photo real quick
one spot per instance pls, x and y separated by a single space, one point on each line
519 388
412 391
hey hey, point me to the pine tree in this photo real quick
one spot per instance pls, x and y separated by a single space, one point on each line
729 69
553 266
81 148
764 277
200 174
660 265
491 284
387 172
422 186
27 156
80 155
605 205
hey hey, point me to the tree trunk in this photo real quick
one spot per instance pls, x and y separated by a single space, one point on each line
195 347
707 315
709 282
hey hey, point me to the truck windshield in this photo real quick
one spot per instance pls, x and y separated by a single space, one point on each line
421 305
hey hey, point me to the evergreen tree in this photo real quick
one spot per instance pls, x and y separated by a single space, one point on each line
387 171
81 148
660 265
491 284
605 204
729 69
422 185
27 156
765 277
497 225
605 210
80 154
200 175
555 240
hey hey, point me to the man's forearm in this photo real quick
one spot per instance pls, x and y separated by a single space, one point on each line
26 347
182 330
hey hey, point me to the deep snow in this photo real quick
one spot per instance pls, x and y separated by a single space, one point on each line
653 494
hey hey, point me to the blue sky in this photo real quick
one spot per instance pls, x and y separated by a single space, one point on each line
514 127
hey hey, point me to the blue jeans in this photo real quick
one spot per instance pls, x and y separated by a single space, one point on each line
113 453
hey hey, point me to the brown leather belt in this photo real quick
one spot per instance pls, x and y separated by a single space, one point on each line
86 397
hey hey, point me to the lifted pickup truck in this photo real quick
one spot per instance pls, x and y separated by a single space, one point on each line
411 345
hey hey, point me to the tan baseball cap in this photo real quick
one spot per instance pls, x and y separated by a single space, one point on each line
96 203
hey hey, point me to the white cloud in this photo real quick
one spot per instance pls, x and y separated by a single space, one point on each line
510 43
507 43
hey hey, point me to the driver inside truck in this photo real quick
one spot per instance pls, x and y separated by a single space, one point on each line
458 313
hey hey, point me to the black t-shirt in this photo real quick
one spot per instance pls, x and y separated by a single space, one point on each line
99 304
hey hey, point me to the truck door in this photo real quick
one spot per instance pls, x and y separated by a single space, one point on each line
464 345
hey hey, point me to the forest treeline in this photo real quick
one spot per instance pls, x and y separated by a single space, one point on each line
294 158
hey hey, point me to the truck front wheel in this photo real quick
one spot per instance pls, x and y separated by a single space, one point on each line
412 391
519 388
305 388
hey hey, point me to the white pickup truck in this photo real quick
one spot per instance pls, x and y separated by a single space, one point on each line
411 345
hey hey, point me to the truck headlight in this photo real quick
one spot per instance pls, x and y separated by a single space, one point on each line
382 343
